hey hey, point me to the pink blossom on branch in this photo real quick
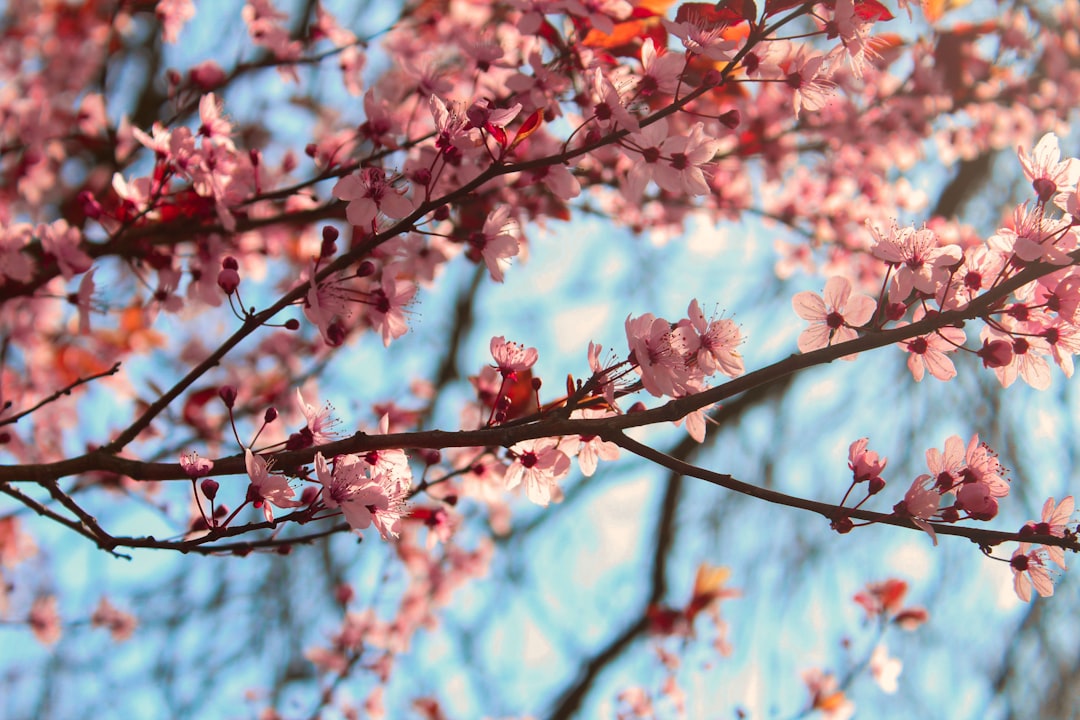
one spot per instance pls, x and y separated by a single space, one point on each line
368 194
496 243
539 465
920 504
929 353
1029 571
267 489
1055 520
833 318
511 357
919 259
711 344
865 464
1048 173
364 495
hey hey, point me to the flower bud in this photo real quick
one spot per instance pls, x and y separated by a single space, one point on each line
209 488
996 353
228 395
365 269
228 281
344 593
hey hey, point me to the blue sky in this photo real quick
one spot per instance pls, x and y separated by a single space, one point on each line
553 596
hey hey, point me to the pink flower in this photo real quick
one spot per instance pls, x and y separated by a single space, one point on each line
511 358
451 125
267 489
1029 570
660 71
947 468
700 34
661 368
61 241
368 194
121 625
173 15
1032 236
194 466
920 503
920 262
1049 175
385 306
539 464
928 353
865 464
673 163
214 126
833 319
1027 359
808 77
44 620
365 495
600 13
496 243
1055 521
593 448
320 423
711 344
325 305
609 108
983 467
1055 517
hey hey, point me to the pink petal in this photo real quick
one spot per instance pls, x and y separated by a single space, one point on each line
808 306
837 292
860 308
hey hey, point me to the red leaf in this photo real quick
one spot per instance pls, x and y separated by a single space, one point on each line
717 15
872 10
531 125
498 133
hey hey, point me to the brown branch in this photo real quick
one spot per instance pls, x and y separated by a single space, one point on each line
60 393
504 436
983 538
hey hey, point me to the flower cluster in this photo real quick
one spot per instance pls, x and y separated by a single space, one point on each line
928 275
963 483
673 359
367 493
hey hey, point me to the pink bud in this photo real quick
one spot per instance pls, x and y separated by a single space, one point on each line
228 394
996 353
90 206
730 119
228 281
209 488
207 75
344 594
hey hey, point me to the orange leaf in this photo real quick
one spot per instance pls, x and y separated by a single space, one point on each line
73 362
935 9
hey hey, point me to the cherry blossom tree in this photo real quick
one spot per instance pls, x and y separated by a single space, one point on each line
336 338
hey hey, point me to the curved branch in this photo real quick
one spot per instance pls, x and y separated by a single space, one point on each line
983 538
